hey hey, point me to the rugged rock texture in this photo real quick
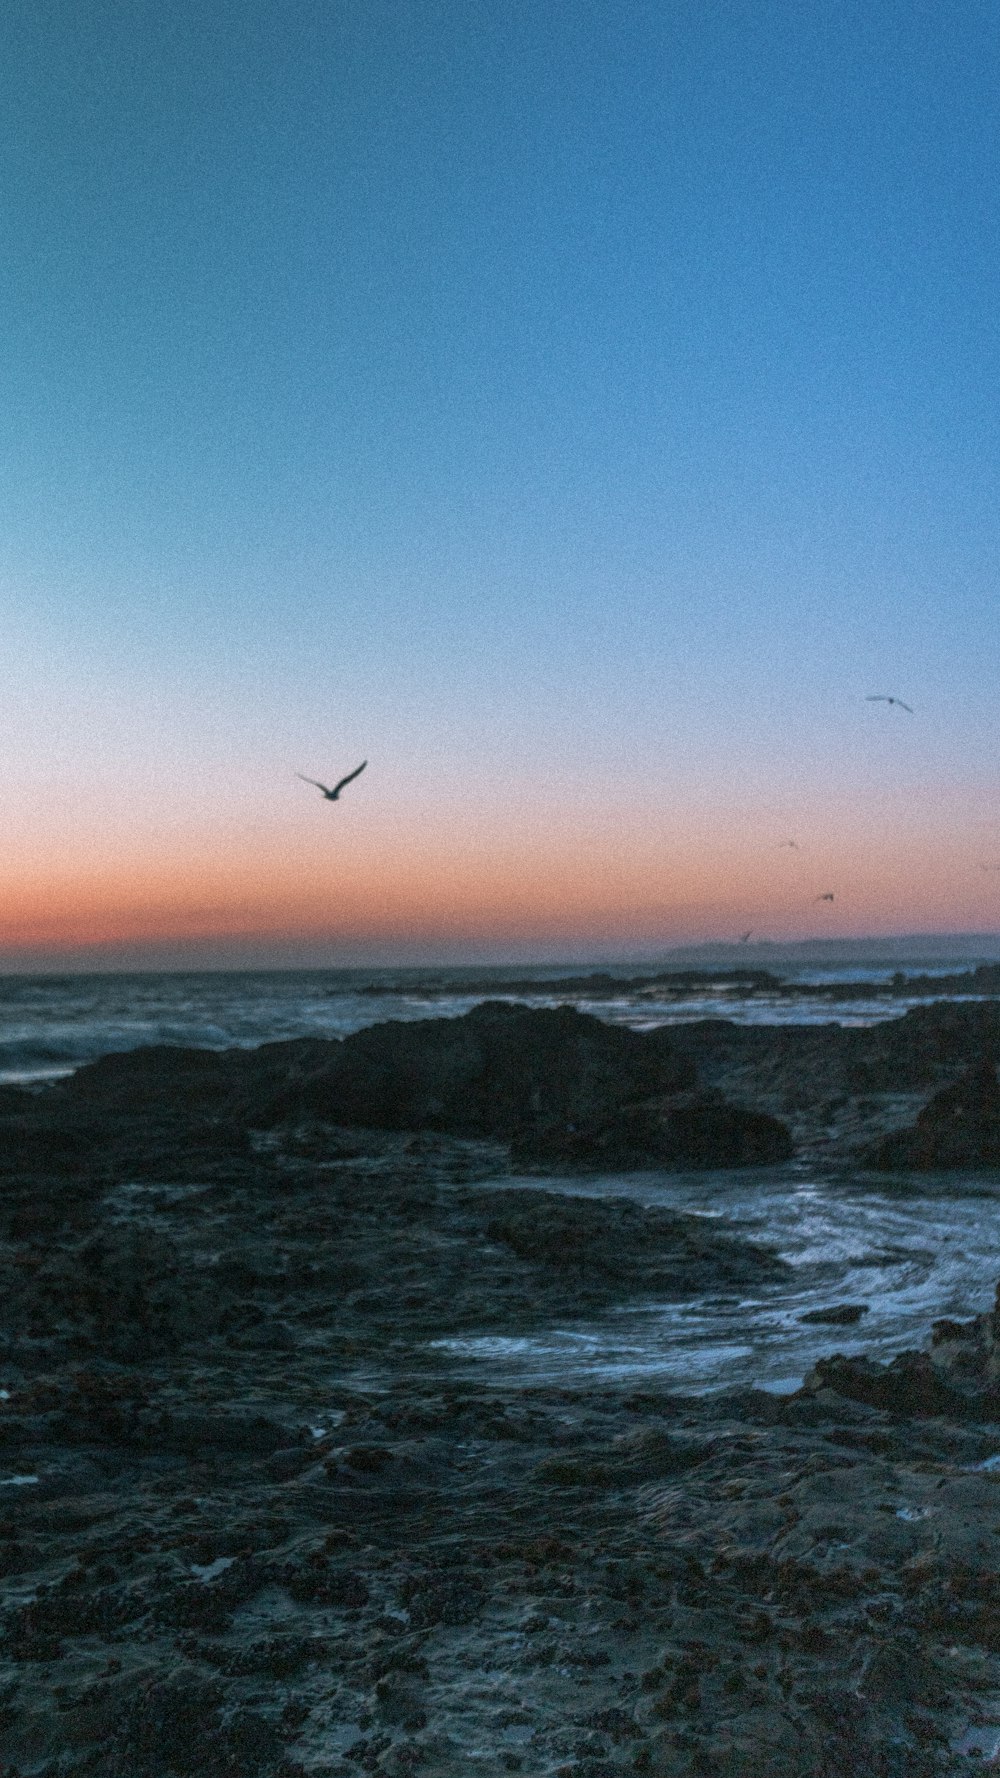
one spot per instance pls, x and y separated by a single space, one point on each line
838 1315
966 1354
637 1249
959 1374
500 1069
689 1130
841 1089
254 1523
959 1128
257 1522
567 1088
929 1041
910 1384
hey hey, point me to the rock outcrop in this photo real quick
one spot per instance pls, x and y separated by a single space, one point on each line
958 1375
911 1384
960 1127
686 1130
570 1089
273 1486
499 1069
630 1247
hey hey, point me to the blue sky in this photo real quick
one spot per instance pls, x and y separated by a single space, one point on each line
578 411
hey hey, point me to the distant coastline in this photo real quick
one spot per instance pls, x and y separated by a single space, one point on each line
911 951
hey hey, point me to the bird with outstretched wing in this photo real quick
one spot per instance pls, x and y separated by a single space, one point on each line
880 697
332 795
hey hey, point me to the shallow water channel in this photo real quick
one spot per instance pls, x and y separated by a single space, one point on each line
909 1253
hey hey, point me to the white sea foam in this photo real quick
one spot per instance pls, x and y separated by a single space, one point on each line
50 1025
911 1260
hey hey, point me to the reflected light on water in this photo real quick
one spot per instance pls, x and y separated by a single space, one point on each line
908 1261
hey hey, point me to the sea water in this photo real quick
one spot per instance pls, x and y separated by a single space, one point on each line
52 1024
932 1251
909 1260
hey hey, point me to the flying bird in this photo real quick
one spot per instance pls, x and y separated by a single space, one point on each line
794 844
827 897
744 936
332 795
880 698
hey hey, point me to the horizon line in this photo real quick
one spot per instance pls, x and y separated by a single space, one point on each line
12 968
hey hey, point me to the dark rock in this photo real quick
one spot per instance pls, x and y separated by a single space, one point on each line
194 1606
901 1672
177 1725
284 1465
369 1459
689 1130
911 1384
450 1599
317 1584
912 1052
130 1287
840 1315
137 1078
43 1148
398 1698
15 1099
274 1657
497 1070
960 1127
619 1242
255 1435
966 1354
57 1611
615 1722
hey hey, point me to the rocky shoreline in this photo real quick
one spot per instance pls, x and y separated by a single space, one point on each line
981 981
252 1523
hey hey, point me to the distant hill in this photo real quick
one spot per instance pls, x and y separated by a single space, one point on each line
923 950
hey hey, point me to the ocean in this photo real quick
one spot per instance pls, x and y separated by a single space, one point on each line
908 1257
52 1024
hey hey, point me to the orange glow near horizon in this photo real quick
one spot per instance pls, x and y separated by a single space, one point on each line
458 884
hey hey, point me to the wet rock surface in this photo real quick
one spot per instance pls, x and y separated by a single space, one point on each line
252 1522
981 980
960 1127
838 1315
846 1094
559 1083
683 1131
566 1089
499 1069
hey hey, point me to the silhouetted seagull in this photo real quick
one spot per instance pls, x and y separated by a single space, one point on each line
827 897
744 936
794 844
880 698
332 795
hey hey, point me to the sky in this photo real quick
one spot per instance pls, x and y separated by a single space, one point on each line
578 411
